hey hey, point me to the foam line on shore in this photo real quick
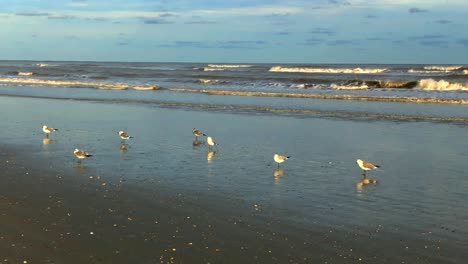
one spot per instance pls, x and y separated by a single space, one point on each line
259 109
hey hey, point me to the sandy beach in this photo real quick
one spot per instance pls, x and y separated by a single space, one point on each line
161 199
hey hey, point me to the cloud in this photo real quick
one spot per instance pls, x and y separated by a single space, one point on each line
283 33
157 21
375 39
61 17
415 10
340 42
463 42
427 37
434 43
322 31
32 14
122 43
339 2
314 41
199 22
235 44
443 21
371 16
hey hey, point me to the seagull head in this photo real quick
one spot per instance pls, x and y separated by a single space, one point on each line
44 126
76 150
120 132
359 162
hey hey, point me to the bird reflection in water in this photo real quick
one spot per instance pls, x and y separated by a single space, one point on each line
124 147
197 143
210 156
364 182
46 141
80 168
278 174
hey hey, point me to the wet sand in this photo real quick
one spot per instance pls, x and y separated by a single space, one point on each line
160 199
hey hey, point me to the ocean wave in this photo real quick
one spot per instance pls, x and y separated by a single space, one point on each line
363 84
442 85
61 83
349 87
422 100
42 64
25 73
210 81
329 70
229 66
213 69
443 68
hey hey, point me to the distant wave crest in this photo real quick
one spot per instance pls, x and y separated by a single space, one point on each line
443 68
229 66
329 70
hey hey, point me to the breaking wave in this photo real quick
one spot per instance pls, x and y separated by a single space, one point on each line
442 85
329 70
362 85
25 73
61 83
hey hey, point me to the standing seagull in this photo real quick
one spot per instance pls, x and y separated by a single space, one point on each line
211 142
80 154
280 159
124 136
197 133
366 166
47 130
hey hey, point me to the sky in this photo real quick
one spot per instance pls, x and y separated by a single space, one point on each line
234 31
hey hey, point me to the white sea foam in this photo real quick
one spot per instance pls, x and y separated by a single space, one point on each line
107 86
349 87
207 81
465 71
42 64
328 70
25 73
229 66
442 85
213 69
443 68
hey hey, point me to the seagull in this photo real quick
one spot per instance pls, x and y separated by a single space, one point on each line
80 154
280 159
211 142
124 136
366 166
47 130
197 133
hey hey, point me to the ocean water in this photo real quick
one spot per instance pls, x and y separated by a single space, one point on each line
415 214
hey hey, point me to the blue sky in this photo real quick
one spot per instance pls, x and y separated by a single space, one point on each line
279 31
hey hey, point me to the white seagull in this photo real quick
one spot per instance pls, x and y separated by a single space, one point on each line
197 133
47 130
211 142
124 136
80 154
280 159
366 166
